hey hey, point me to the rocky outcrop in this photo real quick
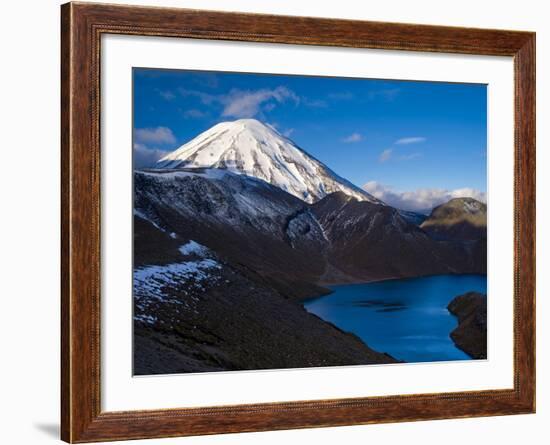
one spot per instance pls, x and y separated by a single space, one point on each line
471 333
461 219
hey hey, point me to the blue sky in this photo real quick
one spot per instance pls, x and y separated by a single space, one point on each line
395 136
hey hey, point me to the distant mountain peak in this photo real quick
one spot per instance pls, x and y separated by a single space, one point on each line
252 148
459 218
459 207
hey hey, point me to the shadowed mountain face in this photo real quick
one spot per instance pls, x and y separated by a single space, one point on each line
462 219
372 242
243 219
413 217
294 246
201 313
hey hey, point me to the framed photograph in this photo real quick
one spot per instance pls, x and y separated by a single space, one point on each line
275 222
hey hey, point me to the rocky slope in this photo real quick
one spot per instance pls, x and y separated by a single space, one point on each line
249 147
196 312
244 219
462 219
471 333
413 217
294 246
369 241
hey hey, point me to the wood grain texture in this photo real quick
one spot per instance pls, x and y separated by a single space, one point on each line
82 26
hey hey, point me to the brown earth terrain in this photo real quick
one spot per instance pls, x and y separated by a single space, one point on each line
235 320
471 333
461 219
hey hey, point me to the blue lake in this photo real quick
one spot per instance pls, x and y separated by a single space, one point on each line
406 318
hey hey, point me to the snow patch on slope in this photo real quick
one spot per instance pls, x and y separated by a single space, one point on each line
142 215
194 248
179 283
472 206
152 280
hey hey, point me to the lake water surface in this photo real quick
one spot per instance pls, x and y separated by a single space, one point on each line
406 318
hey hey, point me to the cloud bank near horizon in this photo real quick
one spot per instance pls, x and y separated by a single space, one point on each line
147 142
421 200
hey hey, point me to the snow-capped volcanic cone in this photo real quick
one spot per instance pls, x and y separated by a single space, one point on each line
249 147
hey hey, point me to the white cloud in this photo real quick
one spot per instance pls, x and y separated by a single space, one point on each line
205 98
146 157
251 103
390 154
388 94
410 140
314 103
288 133
193 113
269 106
166 94
421 200
158 135
275 126
354 137
144 154
245 104
385 155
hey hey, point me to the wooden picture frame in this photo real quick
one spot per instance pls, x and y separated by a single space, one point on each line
82 26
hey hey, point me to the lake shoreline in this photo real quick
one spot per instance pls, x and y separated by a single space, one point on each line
328 285
411 312
380 280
